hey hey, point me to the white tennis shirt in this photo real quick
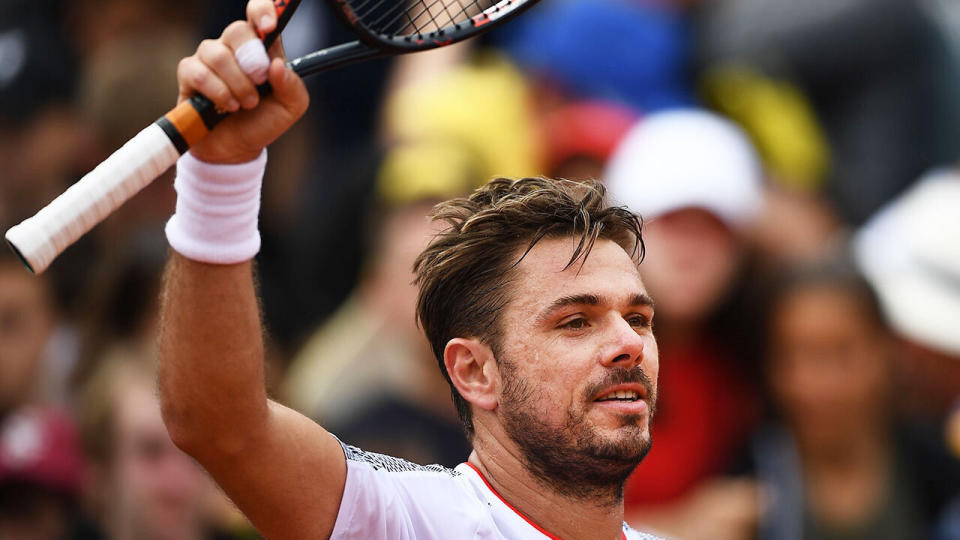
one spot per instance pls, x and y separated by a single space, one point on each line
392 499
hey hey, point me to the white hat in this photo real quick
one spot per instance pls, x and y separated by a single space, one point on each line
686 158
910 252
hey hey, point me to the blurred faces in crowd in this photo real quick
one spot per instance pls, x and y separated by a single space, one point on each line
830 364
40 475
143 486
843 466
696 181
697 259
909 252
26 322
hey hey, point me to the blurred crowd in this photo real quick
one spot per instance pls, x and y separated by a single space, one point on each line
796 164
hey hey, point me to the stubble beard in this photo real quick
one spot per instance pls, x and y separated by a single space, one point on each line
574 459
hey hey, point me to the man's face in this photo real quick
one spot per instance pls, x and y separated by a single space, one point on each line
157 489
579 366
26 322
692 260
829 365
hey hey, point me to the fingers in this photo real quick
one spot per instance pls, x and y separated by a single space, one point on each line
228 69
263 15
196 77
221 60
251 57
217 71
288 88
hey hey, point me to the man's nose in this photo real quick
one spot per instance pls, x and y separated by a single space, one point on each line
626 346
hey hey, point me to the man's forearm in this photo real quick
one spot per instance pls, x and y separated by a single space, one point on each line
211 357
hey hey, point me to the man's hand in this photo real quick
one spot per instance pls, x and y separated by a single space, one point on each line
214 72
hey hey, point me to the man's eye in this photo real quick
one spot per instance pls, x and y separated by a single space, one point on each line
575 324
639 321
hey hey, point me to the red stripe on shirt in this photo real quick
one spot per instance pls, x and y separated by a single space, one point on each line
515 511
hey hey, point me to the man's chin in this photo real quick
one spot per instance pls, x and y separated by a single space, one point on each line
612 419
625 444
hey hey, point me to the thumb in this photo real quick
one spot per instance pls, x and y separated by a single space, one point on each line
288 88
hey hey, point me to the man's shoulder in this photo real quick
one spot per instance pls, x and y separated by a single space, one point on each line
393 494
390 464
388 497
633 534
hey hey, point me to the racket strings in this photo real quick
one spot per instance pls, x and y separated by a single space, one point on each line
416 17
429 19
411 27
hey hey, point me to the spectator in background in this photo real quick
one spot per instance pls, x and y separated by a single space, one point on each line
120 303
909 251
44 146
838 466
443 110
40 138
696 181
41 470
27 318
877 73
581 135
369 372
632 53
142 486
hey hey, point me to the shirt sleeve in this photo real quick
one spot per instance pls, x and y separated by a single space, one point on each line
390 498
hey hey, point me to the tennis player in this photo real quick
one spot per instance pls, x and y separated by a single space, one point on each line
531 300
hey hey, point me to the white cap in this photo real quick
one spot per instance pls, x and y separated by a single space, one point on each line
910 252
686 158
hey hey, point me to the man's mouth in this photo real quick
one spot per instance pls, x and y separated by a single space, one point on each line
620 395
625 392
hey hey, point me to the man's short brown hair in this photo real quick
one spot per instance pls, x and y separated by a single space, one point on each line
464 272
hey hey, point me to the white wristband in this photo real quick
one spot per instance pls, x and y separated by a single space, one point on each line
217 207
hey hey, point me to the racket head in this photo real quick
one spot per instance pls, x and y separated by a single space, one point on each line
403 26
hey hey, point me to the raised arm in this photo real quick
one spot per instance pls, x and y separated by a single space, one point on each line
281 469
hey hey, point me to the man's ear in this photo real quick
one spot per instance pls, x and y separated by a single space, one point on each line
473 371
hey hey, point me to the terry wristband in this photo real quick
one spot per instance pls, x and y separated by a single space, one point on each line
217 208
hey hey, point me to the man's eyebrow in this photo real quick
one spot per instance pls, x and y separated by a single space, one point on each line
638 299
570 300
641 299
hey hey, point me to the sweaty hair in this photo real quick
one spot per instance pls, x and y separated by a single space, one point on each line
463 275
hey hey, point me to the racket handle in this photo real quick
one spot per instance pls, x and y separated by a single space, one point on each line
39 239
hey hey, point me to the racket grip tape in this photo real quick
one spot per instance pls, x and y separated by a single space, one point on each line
190 121
39 239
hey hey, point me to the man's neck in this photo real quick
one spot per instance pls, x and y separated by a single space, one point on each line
559 514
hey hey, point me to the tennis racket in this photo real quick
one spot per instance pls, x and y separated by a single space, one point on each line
382 28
